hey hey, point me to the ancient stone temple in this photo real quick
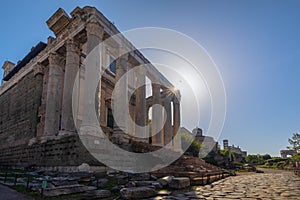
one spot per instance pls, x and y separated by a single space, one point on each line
37 126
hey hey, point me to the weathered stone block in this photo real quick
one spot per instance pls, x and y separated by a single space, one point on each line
137 192
97 194
179 183
165 180
84 167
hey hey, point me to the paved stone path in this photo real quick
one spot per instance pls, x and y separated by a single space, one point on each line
7 193
269 185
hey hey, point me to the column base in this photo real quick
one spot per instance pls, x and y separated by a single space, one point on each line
32 141
118 137
91 130
157 144
66 133
178 150
46 138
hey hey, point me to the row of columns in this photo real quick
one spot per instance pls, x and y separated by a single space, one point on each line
164 135
58 115
162 131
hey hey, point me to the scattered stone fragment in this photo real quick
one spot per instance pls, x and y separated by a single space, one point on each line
116 188
179 183
165 180
97 194
69 189
137 192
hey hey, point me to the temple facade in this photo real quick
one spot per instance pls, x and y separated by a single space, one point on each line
37 93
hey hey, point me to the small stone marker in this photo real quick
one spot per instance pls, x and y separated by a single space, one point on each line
44 184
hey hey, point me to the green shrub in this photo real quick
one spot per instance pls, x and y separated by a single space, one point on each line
193 146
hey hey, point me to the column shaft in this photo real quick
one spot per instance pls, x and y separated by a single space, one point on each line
176 127
120 102
71 69
140 115
91 84
39 77
54 95
157 116
168 124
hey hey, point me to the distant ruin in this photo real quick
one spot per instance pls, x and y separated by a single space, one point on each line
287 153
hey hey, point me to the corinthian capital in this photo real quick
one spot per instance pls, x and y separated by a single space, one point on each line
93 27
72 46
38 69
56 59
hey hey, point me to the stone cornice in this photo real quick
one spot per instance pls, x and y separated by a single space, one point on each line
77 24
110 28
42 56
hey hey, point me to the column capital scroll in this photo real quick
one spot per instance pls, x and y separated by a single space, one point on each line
38 69
56 59
93 27
72 45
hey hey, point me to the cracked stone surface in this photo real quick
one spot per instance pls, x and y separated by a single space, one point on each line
269 185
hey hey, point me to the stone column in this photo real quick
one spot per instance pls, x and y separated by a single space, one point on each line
71 69
121 102
140 114
176 124
168 124
150 141
95 33
39 77
131 77
92 94
157 116
54 95
103 107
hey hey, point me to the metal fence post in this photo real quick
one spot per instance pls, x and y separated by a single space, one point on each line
208 179
27 185
5 177
15 183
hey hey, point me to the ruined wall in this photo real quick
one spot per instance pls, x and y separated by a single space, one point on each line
67 151
18 111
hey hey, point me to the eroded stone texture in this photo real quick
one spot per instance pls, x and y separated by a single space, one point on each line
137 192
270 185
19 108
179 183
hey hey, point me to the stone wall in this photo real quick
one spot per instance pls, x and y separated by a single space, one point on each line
67 151
18 111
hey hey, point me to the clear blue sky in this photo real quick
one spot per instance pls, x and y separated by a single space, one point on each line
256 45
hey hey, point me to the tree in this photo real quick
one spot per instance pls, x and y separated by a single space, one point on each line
266 157
210 158
296 157
295 142
255 159
191 145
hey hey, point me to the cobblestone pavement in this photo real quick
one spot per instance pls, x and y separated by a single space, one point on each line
269 185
